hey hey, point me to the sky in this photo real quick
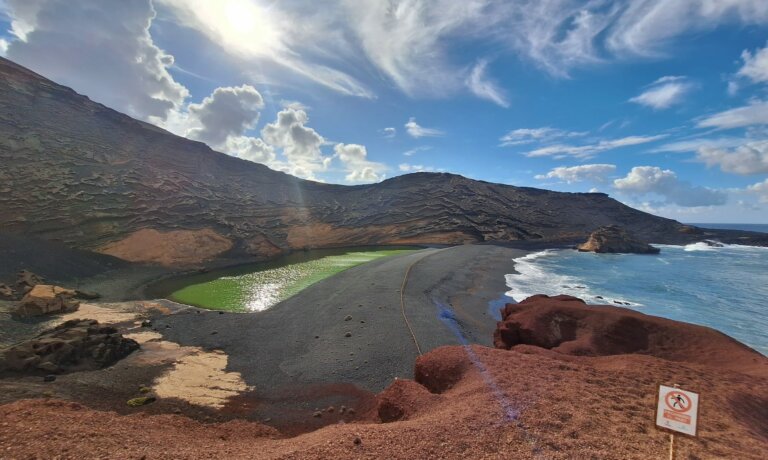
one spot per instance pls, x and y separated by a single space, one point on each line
662 104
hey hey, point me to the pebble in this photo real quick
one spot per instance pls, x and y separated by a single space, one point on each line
348 334
317 414
214 332
348 318
357 440
49 378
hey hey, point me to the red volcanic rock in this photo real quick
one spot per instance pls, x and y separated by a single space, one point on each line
567 325
614 239
438 375
403 399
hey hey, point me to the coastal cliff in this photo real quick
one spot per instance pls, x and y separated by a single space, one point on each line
78 173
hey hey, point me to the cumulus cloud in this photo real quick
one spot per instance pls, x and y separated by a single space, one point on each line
529 135
300 144
359 169
755 65
756 113
482 87
761 190
590 150
644 180
571 174
749 158
415 130
102 49
228 111
664 92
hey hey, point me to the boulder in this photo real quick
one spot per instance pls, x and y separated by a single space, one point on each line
6 292
614 239
45 299
74 345
567 325
26 280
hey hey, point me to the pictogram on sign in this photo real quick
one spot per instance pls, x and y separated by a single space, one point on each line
677 410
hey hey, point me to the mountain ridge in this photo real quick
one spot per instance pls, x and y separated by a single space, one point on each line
80 173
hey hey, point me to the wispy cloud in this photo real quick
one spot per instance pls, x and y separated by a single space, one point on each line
415 150
528 135
664 92
416 130
590 150
756 113
481 86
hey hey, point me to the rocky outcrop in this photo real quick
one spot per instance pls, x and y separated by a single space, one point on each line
46 299
79 173
568 325
26 280
614 239
403 399
75 345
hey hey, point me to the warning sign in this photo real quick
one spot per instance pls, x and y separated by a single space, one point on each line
677 410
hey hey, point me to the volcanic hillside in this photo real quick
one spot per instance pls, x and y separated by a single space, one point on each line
82 174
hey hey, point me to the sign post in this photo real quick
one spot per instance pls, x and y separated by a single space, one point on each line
677 410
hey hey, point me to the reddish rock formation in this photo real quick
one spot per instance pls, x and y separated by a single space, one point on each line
72 346
614 239
46 299
567 325
403 399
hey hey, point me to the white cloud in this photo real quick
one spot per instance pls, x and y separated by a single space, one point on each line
228 111
255 33
415 150
355 160
406 167
389 132
571 174
484 88
755 65
693 145
761 190
3 46
101 49
300 145
756 113
590 150
644 180
417 131
749 158
664 92
251 149
528 135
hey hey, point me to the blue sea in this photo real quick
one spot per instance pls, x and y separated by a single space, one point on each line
723 288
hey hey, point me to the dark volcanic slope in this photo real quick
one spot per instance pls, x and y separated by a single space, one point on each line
75 171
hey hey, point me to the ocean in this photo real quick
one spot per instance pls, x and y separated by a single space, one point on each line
745 227
723 288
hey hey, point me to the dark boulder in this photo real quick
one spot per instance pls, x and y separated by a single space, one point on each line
75 345
614 239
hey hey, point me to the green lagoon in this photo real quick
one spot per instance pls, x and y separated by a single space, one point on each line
257 287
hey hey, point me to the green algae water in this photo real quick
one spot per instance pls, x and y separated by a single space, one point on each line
260 286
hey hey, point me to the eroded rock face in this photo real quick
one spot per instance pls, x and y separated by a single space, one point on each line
26 280
568 325
75 345
114 179
614 239
45 299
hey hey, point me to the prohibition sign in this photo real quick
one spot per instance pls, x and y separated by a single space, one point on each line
678 401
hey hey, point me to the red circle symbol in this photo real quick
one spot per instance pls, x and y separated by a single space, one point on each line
678 401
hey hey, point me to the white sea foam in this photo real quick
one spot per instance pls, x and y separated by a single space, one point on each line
534 278
701 246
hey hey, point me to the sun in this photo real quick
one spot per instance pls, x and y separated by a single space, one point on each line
246 25
241 15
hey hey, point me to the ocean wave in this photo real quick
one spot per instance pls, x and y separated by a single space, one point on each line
534 278
701 246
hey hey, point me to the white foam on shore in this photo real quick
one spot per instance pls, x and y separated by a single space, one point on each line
532 278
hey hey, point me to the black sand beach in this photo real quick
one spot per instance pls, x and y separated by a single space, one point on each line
290 351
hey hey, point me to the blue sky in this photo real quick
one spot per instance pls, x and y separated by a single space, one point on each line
663 104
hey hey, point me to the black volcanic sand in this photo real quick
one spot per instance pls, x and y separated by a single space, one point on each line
298 357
